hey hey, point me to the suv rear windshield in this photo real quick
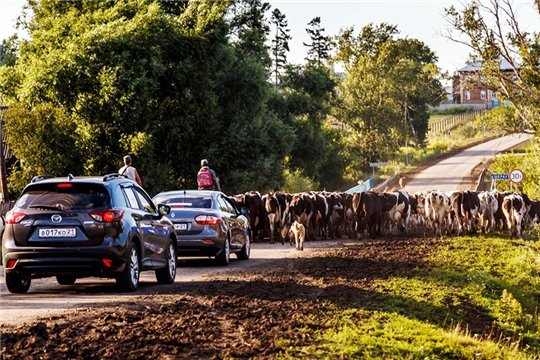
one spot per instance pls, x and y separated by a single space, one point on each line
186 202
63 196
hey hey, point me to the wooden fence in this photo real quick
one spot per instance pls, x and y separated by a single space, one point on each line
449 122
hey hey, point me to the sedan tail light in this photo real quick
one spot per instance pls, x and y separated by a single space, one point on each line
207 219
14 217
107 216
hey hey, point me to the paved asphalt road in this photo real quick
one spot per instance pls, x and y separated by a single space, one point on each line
447 174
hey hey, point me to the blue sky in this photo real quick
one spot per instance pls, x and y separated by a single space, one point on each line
422 20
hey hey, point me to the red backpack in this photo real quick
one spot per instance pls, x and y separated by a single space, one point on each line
205 179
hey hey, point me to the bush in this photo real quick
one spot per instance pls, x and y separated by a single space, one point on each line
451 111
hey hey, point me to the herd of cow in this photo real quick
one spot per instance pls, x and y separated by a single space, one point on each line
281 216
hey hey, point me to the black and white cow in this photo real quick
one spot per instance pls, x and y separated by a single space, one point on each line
368 208
514 210
438 209
398 208
486 213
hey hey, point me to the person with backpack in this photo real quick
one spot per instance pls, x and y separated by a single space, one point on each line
206 177
129 171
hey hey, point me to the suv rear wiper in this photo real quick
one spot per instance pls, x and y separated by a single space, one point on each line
46 207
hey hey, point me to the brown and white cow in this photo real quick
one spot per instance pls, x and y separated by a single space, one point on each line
500 220
514 210
419 214
349 216
301 209
273 221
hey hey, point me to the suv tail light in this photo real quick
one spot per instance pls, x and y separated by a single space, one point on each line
14 217
107 215
207 220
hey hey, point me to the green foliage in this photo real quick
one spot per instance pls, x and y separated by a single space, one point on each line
451 111
305 103
501 118
295 182
508 310
194 93
8 51
49 125
519 80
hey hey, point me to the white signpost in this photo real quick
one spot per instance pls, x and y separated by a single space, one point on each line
375 164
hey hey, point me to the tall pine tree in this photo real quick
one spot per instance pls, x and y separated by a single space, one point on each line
280 43
319 49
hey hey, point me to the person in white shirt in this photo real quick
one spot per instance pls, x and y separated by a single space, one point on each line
129 171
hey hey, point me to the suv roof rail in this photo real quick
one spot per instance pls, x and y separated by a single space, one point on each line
113 176
42 177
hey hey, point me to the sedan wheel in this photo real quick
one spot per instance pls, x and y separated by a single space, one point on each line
224 256
246 250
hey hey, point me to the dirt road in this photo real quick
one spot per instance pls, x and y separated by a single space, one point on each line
47 298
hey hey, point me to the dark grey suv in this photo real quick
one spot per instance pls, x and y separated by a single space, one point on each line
87 226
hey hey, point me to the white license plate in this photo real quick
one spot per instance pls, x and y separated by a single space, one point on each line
180 227
57 232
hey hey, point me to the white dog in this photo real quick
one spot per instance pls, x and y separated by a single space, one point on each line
299 232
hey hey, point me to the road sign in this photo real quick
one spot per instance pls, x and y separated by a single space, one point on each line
378 164
516 176
499 176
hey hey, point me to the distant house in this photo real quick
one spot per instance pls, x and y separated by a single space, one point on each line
469 88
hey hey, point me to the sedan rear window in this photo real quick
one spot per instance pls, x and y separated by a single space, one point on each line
64 196
185 202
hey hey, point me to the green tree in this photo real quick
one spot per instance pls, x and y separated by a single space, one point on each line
49 124
162 81
308 93
280 43
8 51
384 95
319 48
250 30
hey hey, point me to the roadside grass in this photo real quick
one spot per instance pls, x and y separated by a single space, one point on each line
441 311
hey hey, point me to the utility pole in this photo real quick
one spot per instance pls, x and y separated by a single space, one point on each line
4 197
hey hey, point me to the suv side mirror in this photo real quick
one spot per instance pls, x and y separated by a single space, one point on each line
164 209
